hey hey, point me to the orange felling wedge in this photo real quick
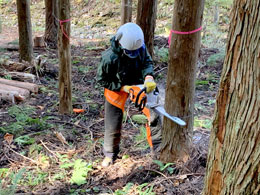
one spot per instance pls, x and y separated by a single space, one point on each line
77 110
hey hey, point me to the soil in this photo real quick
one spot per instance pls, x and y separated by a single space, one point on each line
84 132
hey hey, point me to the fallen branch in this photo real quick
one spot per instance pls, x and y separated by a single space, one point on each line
55 156
160 70
33 161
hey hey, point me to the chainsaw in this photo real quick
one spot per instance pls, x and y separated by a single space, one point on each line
138 96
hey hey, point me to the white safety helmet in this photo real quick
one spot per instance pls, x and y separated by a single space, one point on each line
131 39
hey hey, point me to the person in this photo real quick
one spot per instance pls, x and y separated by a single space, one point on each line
126 62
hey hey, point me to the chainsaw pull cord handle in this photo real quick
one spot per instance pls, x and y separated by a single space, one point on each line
143 100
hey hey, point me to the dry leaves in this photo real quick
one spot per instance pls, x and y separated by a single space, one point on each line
8 138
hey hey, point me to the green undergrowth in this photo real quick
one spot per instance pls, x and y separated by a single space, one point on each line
23 118
202 123
69 170
131 188
218 57
141 139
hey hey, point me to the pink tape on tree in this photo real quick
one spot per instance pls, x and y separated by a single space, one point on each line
182 33
62 29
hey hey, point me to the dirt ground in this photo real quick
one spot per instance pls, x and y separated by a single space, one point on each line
84 132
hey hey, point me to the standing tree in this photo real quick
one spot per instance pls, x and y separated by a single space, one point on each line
234 155
25 30
51 23
126 11
65 105
180 87
146 19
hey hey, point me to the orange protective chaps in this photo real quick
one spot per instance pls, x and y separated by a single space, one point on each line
118 99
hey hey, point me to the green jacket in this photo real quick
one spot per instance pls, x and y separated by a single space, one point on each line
116 69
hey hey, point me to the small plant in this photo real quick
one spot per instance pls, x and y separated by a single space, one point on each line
125 190
211 101
202 123
80 169
148 190
80 172
162 53
166 166
24 140
140 138
139 119
201 82
75 61
8 77
34 178
83 69
218 57
15 178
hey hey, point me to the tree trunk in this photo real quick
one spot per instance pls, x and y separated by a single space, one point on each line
180 87
146 19
51 23
126 11
234 155
25 30
65 105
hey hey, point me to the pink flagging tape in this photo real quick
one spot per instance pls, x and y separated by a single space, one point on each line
182 33
62 29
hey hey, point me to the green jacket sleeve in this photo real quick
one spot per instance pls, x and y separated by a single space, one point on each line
104 76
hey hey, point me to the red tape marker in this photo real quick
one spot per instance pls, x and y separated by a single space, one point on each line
62 29
181 33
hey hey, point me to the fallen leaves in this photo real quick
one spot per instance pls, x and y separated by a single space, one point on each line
8 138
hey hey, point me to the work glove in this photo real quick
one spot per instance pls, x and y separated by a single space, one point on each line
126 88
149 84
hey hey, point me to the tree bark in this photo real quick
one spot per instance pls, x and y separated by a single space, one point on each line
126 11
25 30
180 87
65 106
234 155
146 19
51 23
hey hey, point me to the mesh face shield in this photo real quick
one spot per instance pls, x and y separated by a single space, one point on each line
133 53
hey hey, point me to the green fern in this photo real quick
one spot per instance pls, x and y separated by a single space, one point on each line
80 172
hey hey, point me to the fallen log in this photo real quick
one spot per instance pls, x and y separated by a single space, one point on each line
12 96
24 85
20 91
20 76
14 66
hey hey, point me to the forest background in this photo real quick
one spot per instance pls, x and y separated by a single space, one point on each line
54 163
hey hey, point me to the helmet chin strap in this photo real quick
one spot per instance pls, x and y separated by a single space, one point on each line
119 36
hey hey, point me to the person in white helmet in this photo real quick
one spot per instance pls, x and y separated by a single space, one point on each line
126 62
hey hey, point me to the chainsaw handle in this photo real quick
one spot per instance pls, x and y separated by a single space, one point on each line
143 100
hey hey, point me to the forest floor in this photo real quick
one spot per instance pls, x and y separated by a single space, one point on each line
45 152
136 170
